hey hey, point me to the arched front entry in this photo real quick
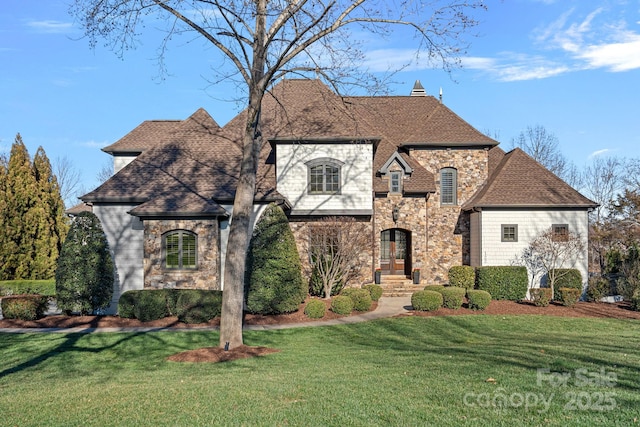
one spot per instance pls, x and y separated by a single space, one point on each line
395 251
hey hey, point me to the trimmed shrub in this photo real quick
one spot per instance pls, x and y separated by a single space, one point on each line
463 276
127 304
198 305
22 287
85 272
598 287
435 288
342 304
566 278
274 271
541 297
24 307
426 300
635 301
478 300
150 305
315 309
361 298
569 296
453 296
374 290
503 282
171 298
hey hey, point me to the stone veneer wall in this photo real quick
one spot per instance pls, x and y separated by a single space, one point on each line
204 277
300 229
412 216
448 239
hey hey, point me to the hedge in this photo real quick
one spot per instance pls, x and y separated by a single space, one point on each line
426 300
198 305
503 282
189 305
566 278
24 307
435 288
478 300
374 290
463 276
569 296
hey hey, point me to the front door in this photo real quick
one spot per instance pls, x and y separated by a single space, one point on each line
394 250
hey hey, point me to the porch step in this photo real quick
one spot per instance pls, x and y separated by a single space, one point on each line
398 286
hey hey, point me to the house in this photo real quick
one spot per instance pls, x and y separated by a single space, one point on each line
432 190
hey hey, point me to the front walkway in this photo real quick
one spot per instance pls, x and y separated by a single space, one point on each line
387 307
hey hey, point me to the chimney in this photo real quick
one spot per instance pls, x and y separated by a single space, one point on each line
418 90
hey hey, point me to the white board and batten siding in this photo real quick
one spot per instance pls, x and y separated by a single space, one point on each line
356 179
488 248
125 234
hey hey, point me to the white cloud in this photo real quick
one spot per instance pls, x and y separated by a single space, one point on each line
50 26
599 152
94 144
622 56
509 67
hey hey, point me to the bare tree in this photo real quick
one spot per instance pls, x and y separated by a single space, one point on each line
68 177
335 250
602 181
543 146
261 41
551 251
105 172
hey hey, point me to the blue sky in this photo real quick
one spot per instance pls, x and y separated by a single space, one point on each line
572 66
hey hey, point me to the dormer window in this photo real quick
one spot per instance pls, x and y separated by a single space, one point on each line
324 176
395 182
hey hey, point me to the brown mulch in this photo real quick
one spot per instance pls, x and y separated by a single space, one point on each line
620 310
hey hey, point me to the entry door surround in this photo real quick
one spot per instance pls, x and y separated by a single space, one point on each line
395 250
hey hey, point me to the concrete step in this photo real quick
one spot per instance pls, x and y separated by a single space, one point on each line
398 286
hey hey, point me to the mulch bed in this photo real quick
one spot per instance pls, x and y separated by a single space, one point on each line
620 310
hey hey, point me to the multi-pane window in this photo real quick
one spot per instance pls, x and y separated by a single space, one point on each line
509 232
448 186
560 232
180 249
395 182
324 177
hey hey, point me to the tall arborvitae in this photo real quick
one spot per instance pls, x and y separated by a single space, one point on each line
52 222
21 197
3 211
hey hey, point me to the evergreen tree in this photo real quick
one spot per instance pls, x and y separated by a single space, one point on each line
3 212
52 222
21 192
274 273
85 271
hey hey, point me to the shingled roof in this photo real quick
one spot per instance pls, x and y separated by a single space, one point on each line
198 160
519 181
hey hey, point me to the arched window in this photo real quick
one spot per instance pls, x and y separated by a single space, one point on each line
180 249
324 176
448 186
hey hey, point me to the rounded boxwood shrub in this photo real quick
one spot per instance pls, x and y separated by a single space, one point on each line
478 299
374 290
463 276
569 296
453 296
361 298
274 272
436 288
315 309
541 297
426 300
598 287
198 305
342 304
24 307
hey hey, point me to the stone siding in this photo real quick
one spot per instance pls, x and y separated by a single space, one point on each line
207 272
448 240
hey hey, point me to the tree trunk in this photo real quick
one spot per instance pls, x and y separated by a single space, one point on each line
239 230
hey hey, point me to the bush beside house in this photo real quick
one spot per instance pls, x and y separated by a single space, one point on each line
565 278
463 276
503 282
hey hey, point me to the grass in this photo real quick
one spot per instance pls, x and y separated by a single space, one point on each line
409 371
14 287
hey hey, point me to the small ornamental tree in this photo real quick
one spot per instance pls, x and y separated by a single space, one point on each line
85 272
274 271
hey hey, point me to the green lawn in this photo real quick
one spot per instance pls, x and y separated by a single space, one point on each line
405 372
